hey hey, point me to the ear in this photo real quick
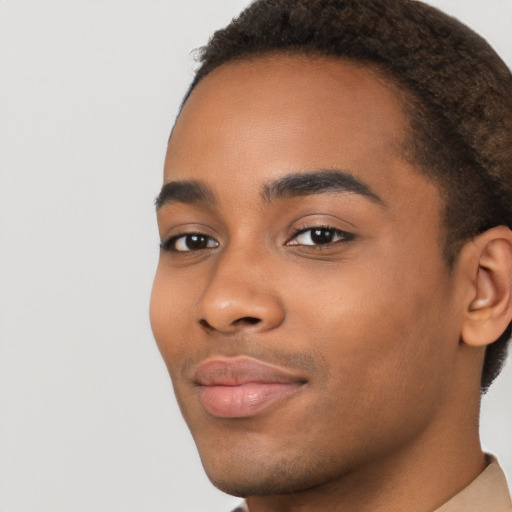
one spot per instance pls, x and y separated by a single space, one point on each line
488 261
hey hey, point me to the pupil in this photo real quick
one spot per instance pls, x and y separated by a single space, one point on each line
196 242
322 236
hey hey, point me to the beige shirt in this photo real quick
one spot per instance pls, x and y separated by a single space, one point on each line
487 493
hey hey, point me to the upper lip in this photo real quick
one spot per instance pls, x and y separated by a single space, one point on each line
237 371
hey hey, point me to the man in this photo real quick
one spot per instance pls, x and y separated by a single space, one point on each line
333 290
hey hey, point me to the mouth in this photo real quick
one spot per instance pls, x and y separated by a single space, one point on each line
243 387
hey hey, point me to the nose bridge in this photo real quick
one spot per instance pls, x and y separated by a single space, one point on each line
239 293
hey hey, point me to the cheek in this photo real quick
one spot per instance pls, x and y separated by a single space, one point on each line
378 331
169 302
385 368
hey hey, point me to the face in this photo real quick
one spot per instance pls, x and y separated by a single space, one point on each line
301 302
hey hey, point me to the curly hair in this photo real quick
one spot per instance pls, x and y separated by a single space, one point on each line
456 91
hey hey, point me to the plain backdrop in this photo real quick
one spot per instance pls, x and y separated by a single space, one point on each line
88 93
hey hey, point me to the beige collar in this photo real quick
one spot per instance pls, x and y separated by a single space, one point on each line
487 493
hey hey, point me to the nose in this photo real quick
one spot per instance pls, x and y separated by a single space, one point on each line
239 296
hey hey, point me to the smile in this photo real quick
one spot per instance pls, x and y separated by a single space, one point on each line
241 387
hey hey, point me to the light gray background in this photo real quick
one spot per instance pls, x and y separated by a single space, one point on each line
88 92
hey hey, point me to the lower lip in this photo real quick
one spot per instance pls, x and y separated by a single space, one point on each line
244 400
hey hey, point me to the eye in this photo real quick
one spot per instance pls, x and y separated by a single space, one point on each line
320 236
189 242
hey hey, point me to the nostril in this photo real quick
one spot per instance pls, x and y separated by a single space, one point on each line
203 323
247 320
235 324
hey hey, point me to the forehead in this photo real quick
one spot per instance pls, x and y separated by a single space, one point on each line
261 118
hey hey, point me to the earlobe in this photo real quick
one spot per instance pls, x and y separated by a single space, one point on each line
489 308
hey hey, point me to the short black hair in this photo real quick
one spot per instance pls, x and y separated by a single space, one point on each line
458 97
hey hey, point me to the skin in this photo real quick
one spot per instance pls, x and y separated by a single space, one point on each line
387 418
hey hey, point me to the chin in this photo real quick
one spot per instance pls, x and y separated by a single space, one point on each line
274 482
243 476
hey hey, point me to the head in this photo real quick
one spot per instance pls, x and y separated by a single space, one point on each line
336 208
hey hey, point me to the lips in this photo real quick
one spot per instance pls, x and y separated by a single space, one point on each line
242 387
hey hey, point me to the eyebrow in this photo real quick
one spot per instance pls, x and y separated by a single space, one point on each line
286 187
186 192
318 182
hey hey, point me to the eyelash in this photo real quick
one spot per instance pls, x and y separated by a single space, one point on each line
344 237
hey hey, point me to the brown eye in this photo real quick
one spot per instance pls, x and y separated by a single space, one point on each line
320 236
195 242
190 242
